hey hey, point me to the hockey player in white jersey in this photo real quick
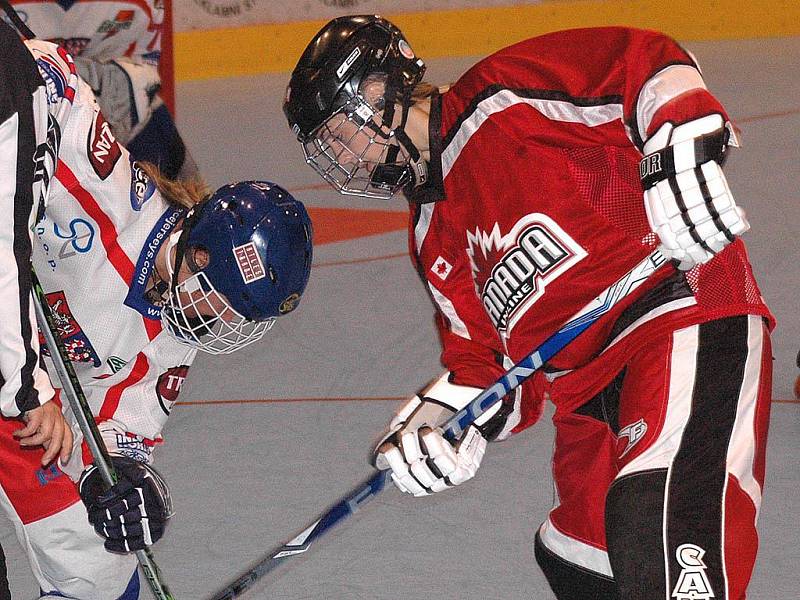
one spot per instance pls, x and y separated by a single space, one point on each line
140 273
117 45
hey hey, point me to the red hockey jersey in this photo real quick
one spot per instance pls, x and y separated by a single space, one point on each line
534 203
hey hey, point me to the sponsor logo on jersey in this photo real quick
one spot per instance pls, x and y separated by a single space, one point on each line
289 304
102 147
634 432
441 268
138 297
133 446
121 22
78 240
75 342
55 80
47 474
692 582
249 262
142 187
511 271
169 386
115 363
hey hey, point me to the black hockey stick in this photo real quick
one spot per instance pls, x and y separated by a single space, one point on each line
372 486
72 389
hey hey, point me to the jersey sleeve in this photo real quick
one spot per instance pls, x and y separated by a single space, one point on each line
140 395
663 84
24 119
597 77
131 406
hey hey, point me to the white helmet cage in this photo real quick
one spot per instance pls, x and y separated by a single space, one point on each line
197 315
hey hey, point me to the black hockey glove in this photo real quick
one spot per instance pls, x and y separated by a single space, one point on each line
134 512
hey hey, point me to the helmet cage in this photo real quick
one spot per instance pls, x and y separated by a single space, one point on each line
357 153
197 315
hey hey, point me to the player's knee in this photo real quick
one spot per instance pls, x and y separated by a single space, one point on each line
634 528
570 581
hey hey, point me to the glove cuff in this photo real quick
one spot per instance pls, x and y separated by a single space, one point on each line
683 156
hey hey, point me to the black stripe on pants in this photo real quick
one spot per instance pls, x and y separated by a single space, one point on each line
693 486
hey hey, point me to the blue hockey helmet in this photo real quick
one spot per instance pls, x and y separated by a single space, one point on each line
249 249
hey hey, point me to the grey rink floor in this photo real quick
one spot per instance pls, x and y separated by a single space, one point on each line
247 476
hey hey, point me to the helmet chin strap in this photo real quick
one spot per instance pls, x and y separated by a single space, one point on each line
178 240
419 170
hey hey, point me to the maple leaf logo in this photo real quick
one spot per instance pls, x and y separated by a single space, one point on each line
485 250
511 271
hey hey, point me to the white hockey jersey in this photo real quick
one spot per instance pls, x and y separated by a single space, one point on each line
102 31
93 251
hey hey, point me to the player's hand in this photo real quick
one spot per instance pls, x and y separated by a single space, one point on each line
45 426
422 461
133 513
687 198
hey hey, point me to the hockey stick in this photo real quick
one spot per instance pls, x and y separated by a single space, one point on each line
372 486
83 414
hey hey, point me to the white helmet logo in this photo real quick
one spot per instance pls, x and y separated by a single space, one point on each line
249 262
348 62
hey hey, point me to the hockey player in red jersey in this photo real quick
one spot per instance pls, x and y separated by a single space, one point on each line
140 272
117 45
540 177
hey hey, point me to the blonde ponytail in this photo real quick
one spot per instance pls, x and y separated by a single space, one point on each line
178 192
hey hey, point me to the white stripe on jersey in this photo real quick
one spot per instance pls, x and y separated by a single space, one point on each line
457 325
423 224
555 110
663 87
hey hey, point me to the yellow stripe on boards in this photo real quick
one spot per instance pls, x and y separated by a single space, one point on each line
476 32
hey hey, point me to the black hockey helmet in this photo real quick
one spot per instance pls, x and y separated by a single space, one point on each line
335 63
353 143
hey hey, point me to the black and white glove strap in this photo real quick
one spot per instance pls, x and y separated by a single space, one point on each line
686 195
422 461
133 513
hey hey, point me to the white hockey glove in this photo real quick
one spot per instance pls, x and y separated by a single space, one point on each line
126 92
421 459
687 198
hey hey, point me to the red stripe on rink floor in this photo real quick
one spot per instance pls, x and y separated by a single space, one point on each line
774 115
290 400
347 399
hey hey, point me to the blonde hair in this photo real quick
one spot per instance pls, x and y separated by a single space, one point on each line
424 90
183 193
